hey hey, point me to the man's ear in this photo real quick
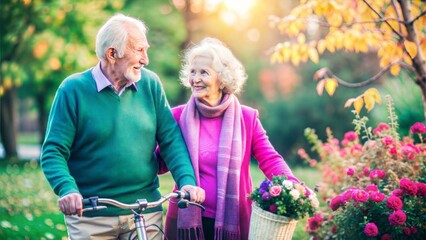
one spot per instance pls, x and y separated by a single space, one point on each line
111 54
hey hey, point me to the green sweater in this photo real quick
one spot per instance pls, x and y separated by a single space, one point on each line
102 144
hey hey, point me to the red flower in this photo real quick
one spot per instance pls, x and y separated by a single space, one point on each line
386 237
394 203
273 208
406 231
397 218
336 202
371 230
315 222
408 186
418 127
421 189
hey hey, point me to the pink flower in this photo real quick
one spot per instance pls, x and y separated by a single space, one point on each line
408 186
275 191
350 136
312 162
418 127
386 237
421 189
350 171
398 193
366 171
336 202
393 151
302 153
377 174
380 128
397 218
315 222
347 195
394 203
371 188
371 230
377 196
387 140
360 195
273 208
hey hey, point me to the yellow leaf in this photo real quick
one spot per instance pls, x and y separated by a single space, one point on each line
374 94
358 103
369 102
411 48
295 56
313 55
331 85
321 46
320 87
394 70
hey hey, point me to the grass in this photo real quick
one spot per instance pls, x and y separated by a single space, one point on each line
28 208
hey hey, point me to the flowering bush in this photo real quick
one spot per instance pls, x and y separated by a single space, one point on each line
285 198
374 190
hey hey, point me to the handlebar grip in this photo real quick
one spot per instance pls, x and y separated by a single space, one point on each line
93 201
184 195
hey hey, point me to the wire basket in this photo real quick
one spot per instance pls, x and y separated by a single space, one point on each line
268 226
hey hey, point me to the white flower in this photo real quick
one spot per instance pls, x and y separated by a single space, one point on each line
295 194
314 201
288 184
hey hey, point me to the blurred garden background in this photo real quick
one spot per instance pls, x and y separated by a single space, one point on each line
42 42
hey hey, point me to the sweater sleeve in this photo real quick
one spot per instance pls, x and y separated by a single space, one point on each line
172 145
57 144
270 161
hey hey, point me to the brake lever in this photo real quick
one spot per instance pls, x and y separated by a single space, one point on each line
183 203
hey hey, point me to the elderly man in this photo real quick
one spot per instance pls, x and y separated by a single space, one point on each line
103 128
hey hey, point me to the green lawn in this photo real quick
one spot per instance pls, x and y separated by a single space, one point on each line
28 207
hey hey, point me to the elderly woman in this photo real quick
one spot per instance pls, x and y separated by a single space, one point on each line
221 136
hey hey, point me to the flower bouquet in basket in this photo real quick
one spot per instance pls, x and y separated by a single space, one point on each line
277 206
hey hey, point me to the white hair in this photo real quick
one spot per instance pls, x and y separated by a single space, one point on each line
231 72
115 34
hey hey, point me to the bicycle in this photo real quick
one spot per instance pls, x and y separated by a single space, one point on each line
140 205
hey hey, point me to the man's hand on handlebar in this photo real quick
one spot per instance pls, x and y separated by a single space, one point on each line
71 204
197 194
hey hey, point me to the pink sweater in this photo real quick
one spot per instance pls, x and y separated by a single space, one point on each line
257 145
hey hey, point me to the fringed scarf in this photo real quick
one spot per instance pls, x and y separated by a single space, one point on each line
230 155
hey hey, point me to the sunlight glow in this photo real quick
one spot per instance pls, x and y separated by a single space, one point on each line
241 7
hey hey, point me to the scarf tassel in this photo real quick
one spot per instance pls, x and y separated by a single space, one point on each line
221 234
194 233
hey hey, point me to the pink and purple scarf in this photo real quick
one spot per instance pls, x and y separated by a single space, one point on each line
230 154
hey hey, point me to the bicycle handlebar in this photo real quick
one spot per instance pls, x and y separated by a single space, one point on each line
140 203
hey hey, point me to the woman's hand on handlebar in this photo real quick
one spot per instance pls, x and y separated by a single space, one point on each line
71 204
197 194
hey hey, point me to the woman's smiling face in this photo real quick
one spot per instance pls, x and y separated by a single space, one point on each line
205 84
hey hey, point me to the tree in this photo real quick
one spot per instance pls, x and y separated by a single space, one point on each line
393 29
43 42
